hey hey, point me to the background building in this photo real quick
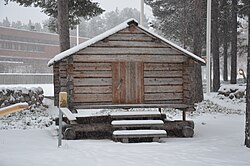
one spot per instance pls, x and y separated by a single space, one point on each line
23 51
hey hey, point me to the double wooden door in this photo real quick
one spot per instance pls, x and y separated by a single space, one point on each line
127 82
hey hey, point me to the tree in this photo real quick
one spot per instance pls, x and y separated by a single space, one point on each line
171 14
183 22
215 45
247 131
77 8
234 43
6 22
225 21
246 12
197 48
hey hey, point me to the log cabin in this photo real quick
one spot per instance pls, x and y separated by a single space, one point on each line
126 67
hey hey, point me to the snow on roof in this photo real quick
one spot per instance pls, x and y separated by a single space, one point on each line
83 45
112 31
174 45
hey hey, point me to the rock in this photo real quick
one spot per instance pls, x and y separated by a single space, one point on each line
239 94
231 96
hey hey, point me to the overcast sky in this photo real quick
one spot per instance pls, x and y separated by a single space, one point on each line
24 14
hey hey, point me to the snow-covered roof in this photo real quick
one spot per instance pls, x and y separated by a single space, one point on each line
112 31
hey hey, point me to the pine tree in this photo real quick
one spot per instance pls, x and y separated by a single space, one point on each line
225 22
183 22
215 45
246 11
6 22
234 43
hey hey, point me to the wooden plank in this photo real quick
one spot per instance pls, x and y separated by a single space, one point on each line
93 89
136 122
163 96
133 30
163 81
139 133
126 106
91 66
131 58
127 82
13 108
68 113
92 74
159 74
176 88
85 105
163 67
130 44
92 81
130 37
93 97
139 82
116 82
160 102
127 51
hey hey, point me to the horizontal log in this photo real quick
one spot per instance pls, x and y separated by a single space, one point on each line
160 102
130 37
150 105
157 89
163 96
63 74
127 51
130 44
92 81
187 87
93 89
186 93
130 58
93 127
132 30
63 81
162 74
92 97
179 128
92 66
92 74
82 105
162 66
163 81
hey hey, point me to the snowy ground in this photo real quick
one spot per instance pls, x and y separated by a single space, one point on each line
30 138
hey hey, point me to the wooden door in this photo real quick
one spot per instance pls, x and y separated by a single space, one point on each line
127 83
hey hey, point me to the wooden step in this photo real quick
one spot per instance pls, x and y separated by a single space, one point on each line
125 135
125 124
137 115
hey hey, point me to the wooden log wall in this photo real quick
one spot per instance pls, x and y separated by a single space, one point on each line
92 83
163 83
56 80
188 82
166 79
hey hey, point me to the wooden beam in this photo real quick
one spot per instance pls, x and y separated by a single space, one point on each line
124 106
13 108
68 113
130 58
